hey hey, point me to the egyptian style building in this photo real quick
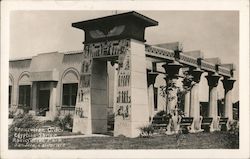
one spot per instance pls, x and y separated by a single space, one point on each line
118 73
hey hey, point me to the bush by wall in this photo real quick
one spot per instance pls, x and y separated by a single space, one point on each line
65 123
25 121
146 131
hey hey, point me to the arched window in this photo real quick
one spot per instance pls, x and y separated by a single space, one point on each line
70 81
11 83
24 91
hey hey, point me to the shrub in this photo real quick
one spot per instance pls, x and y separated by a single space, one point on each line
26 121
26 109
68 120
160 113
234 134
234 128
110 121
147 131
12 111
11 114
65 123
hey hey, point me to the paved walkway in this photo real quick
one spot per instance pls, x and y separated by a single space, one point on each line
71 136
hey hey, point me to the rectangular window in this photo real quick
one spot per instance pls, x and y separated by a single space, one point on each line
155 98
10 92
24 96
69 94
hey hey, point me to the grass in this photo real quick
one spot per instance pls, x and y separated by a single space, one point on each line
67 133
216 140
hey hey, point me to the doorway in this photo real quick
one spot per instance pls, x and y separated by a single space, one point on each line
44 98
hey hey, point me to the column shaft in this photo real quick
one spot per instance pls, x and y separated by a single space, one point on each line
82 116
34 96
52 103
195 100
213 106
151 76
228 105
15 93
213 80
228 108
172 98
115 85
187 104
172 70
151 100
195 106
99 96
132 105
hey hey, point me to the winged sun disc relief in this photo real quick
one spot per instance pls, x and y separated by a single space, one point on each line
117 30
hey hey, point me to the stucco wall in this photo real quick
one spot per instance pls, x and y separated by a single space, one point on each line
64 65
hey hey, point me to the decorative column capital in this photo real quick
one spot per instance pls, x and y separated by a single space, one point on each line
213 79
228 83
187 82
172 69
151 76
196 73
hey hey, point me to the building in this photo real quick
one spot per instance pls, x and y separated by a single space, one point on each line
117 72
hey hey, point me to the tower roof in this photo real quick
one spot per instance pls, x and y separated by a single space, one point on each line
117 18
113 27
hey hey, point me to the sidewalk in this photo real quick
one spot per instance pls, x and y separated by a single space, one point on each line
71 136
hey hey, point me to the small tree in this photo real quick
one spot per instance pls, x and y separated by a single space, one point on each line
181 91
187 85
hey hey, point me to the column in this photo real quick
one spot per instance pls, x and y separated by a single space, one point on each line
92 99
228 108
132 103
131 109
172 70
186 85
52 103
34 97
151 76
15 94
195 101
82 116
172 73
115 85
99 96
187 104
213 80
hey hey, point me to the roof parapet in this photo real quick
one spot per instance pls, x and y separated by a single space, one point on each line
170 46
230 66
214 60
195 54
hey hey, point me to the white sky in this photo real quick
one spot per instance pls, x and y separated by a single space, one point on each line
215 33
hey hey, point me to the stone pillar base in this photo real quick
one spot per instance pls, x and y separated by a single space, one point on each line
196 129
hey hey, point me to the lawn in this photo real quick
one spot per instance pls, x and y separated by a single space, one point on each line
203 140
216 140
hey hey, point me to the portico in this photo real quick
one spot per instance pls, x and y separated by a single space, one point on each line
120 38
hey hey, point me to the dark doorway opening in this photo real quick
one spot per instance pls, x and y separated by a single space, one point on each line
44 96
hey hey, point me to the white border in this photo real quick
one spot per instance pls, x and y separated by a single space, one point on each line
242 6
